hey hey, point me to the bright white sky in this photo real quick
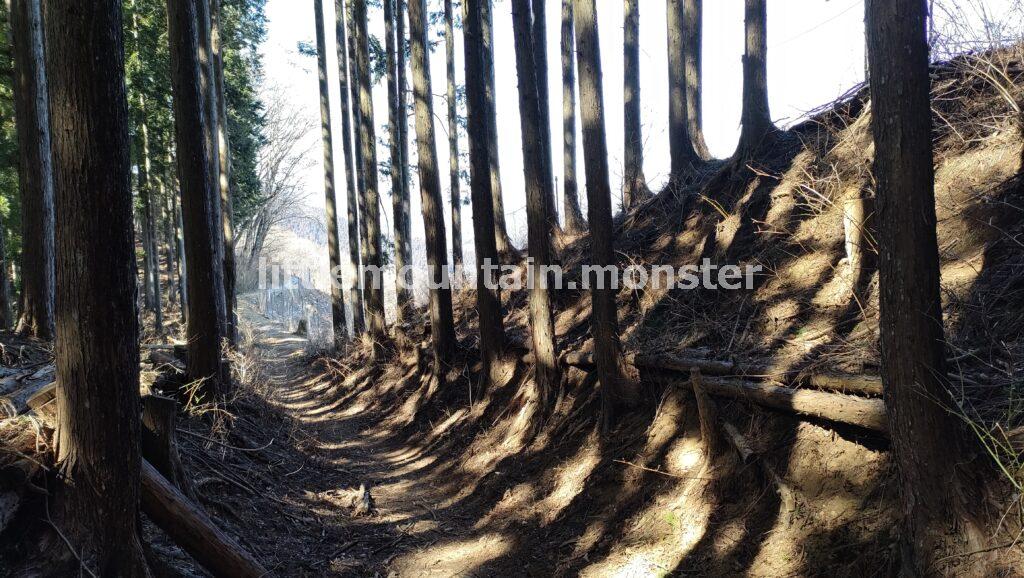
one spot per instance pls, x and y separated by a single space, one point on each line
815 54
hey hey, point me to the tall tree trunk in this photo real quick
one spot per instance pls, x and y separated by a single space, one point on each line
617 389
208 80
538 187
5 282
152 260
373 273
396 117
97 347
693 38
35 169
224 181
684 156
200 201
574 222
756 117
453 139
333 236
442 322
405 246
355 295
357 138
179 243
505 246
931 450
488 297
151 273
634 185
539 31
170 248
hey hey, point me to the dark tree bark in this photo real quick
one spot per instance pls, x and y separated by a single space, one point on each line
488 298
617 389
634 183
756 116
405 247
442 327
574 222
224 180
693 39
931 450
538 189
97 348
34 169
5 281
179 239
539 31
208 83
355 295
333 236
453 139
505 246
684 156
357 139
200 200
372 274
399 196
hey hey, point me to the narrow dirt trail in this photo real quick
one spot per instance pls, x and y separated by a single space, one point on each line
411 528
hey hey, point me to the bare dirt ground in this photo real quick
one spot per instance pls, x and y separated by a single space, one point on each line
318 476
316 488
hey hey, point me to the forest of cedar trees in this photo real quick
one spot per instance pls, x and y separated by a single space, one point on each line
229 345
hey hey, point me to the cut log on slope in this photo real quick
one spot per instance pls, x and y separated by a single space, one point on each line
847 409
866 385
192 529
186 523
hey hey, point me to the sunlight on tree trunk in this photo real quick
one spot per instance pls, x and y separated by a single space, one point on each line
574 222
97 348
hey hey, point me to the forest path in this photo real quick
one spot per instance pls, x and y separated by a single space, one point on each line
409 531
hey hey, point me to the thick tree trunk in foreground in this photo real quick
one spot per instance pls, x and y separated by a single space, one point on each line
505 246
34 169
454 180
931 450
538 188
756 117
693 39
634 184
208 84
199 199
373 284
683 155
224 181
617 389
574 222
441 317
355 295
97 348
333 246
396 117
488 297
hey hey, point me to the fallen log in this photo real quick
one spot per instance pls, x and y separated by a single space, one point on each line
160 441
847 409
192 529
866 385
